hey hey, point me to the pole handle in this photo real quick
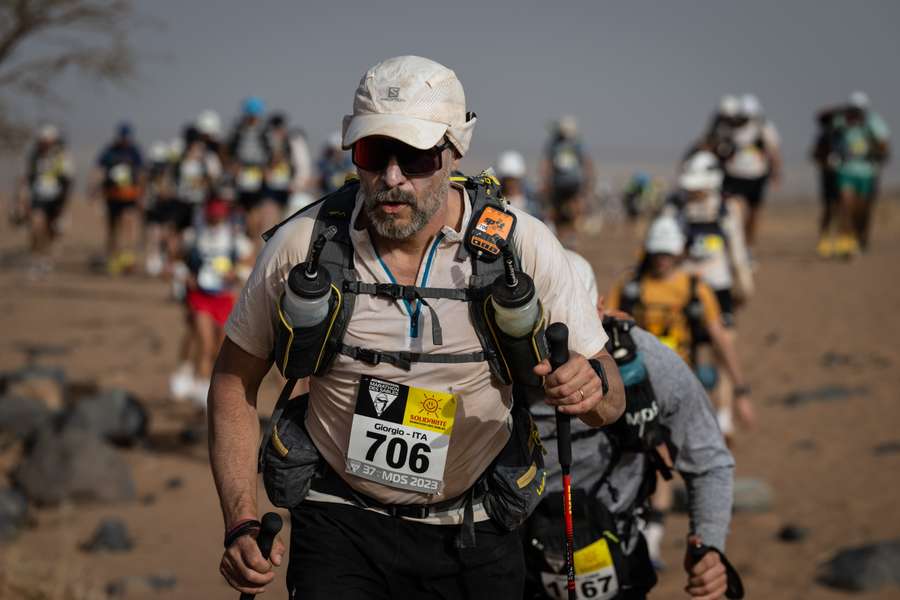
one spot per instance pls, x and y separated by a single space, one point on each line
271 525
558 343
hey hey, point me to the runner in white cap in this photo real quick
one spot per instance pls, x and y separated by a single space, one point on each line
409 426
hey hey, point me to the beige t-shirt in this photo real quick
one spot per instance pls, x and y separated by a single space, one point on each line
481 426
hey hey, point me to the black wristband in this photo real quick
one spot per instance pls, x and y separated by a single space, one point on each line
241 529
601 373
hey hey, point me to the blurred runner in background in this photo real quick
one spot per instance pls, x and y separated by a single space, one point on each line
681 310
825 154
43 195
511 172
640 196
119 178
754 162
248 161
304 177
334 165
862 150
218 258
567 174
279 175
159 196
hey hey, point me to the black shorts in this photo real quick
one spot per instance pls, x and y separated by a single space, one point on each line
52 209
116 208
752 190
563 199
157 214
341 551
180 214
726 306
249 200
828 181
280 197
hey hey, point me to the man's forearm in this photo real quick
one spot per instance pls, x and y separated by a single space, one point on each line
709 504
612 406
233 440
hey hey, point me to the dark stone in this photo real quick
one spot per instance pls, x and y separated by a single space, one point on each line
891 447
115 414
805 444
752 495
46 384
120 589
111 535
771 338
793 533
835 359
13 514
173 483
148 499
827 393
863 568
73 465
192 435
20 416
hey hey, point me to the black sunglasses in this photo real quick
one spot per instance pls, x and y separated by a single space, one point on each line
374 153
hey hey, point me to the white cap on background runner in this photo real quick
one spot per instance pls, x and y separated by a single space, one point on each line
701 171
859 99
665 237
412 99
750 105
510 164
729 105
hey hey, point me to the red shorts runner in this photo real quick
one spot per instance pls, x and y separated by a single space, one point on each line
216 305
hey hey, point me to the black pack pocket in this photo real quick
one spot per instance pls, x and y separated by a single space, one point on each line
300 352
517 477
519 355
290 460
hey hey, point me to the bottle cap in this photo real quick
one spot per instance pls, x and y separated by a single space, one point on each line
308 287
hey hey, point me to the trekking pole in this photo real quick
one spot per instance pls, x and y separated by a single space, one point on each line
271 525
558 341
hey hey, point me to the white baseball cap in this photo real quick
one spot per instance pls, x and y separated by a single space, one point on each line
701 171
729 105
48 133
859 99
412 99
209 123
750 105
510 164
665 237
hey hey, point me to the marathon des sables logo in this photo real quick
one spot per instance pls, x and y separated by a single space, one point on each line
383 394
640 418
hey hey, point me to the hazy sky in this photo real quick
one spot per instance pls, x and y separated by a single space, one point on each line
641 76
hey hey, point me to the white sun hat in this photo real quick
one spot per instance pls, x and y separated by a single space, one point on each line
665 237
729 105
510 164
412 99
701 171
750 105
859 99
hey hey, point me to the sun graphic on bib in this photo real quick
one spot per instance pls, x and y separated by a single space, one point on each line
430 405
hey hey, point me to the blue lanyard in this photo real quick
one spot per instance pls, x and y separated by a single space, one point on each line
414 308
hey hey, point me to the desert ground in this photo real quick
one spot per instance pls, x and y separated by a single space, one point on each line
812 324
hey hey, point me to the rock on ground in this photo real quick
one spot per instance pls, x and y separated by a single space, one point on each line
863 568
113 414
21 416
13 513
73 465
111 535
46 384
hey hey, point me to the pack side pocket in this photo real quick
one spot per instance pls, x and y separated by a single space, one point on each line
298 352
290 460
520 355
517 478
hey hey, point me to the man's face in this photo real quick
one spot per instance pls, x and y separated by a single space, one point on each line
399 205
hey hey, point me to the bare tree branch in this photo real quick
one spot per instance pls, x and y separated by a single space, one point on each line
42 39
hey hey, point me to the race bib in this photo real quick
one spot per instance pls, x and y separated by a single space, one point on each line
280 177
250 179
47 186
121 175
707 246
595 575
400 435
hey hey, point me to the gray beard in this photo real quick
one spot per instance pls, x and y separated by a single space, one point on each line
422 210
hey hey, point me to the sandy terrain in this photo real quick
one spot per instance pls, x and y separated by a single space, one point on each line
818 456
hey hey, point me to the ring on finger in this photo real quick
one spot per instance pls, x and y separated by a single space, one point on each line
581 391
